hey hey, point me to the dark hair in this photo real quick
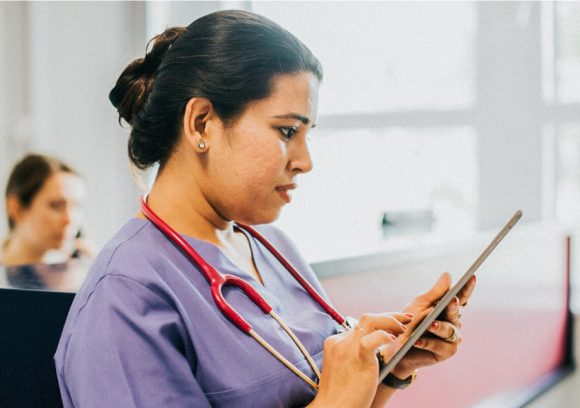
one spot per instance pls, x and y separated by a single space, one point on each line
28 177
229 57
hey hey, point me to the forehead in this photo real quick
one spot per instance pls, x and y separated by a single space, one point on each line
63 185
291 93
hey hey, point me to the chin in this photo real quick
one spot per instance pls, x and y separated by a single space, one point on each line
258 219
58 244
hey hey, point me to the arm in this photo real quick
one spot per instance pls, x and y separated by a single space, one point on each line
129 349
382 396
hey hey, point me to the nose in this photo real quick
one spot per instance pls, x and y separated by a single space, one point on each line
69 215
66 217
300 159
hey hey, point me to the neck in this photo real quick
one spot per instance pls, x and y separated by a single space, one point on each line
17 251
186 210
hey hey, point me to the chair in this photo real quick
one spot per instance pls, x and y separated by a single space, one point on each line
30 326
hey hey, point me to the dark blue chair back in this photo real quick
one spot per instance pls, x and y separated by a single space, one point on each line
30 326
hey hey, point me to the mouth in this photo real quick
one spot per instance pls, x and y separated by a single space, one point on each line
284 191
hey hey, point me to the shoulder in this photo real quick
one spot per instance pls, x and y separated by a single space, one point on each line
136 248
278 238
283 244
286 247
127 282
137 258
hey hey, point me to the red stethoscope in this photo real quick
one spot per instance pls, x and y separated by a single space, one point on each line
218 281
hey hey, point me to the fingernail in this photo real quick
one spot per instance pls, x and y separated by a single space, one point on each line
474 278
434 325
419 343
456 301
393 336
409 315
403 327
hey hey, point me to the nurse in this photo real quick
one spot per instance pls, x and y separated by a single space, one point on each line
224 107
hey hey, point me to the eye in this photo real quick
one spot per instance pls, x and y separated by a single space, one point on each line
57 205
288 132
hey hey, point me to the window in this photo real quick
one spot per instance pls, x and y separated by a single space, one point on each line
436 107
568 51
566 109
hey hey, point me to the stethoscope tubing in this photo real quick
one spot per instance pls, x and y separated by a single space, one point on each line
297 275
218 281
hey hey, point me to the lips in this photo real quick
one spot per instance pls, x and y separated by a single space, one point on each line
291 186
284 191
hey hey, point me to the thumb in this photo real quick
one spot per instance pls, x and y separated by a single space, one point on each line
439 289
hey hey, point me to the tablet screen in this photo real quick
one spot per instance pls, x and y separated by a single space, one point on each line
445 300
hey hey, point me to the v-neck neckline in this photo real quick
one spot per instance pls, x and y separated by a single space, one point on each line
221 259
254 252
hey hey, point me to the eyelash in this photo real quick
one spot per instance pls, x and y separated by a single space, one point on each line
288 132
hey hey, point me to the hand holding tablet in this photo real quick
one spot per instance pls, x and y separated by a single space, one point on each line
431 314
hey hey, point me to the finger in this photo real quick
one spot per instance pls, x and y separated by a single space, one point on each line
452 312
404 318
443 330
375 340
441 349
387 352
392 322
467 290
438 290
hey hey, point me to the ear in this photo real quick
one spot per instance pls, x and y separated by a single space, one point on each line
14 208
198 112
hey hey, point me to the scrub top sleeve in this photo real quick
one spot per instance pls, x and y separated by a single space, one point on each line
136 354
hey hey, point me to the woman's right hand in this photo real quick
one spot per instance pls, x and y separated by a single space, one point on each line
350 366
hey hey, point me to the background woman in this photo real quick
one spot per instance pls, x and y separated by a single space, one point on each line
224 106
43 200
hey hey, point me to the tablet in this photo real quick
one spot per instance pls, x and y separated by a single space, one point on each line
445 300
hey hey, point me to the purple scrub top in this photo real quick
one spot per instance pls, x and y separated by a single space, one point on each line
144 331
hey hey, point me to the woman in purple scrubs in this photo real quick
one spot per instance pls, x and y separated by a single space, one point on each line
224 107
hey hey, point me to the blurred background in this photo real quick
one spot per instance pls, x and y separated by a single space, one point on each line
436 119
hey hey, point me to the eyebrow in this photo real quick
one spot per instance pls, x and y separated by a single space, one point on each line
301 118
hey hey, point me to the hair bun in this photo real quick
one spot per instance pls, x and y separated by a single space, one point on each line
136 82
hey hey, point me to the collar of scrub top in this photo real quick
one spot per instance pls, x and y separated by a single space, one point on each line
218 281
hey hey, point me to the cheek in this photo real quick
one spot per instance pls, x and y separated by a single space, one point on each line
46 220
36 226
256 163
262 176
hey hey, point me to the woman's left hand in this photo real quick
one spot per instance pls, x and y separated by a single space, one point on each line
444 335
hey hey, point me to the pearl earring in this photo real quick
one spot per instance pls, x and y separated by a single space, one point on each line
201 145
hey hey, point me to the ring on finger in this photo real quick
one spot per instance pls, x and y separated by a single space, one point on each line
361 329
452 338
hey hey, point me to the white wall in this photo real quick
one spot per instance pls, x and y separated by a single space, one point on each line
13 91
75 64
64 57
